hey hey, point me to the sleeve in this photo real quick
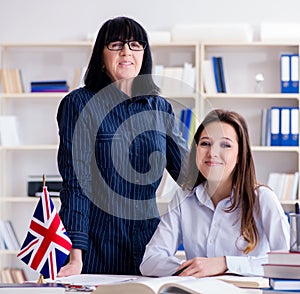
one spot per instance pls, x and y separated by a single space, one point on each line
177 150
75 205
275 227
159 257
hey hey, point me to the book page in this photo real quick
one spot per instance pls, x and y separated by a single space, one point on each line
94 280
201 285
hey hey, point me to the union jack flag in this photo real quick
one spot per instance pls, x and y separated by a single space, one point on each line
47 245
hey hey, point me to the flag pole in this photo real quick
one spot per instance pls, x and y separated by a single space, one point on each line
41 279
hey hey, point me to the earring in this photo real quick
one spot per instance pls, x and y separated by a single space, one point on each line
103 68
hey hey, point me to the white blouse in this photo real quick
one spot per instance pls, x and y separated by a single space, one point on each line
206 231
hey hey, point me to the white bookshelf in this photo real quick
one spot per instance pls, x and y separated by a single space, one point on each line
36 112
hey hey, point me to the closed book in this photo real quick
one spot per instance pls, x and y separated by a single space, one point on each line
282 271
284 257
285 284
30 288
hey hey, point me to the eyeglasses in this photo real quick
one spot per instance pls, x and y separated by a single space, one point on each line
133 45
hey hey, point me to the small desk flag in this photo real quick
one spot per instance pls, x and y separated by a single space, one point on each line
47 245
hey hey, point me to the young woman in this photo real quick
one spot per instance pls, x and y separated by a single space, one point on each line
225 220
116 137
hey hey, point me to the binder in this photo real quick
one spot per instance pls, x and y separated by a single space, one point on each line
275 126
289 73
294 127
285 133
294 64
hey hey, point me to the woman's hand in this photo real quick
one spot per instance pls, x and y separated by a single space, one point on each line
203 267
74 266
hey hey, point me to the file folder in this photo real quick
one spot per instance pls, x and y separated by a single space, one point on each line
294 120
275 126
289 73
285 134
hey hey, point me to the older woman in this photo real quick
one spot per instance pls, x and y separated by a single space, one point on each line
116 137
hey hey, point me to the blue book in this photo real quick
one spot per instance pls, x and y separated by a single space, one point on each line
284 284
221 73
217 74
187 124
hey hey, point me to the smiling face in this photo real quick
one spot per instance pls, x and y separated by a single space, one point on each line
217 152
123 64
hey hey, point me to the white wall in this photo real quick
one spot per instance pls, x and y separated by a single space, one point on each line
62 20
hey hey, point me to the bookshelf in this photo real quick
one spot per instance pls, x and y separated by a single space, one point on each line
36 112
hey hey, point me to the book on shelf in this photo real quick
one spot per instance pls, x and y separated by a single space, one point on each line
78 80
218 68
169 285
11 80
49 86
285 185
8 236
13 275
175 80
9 135
208 77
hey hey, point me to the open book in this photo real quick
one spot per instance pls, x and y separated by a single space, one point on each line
169 285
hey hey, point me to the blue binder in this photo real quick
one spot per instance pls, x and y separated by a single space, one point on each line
294 126
275 126
289 73
285 126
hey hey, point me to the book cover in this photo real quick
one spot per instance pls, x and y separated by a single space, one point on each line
281 271
285 284
284 257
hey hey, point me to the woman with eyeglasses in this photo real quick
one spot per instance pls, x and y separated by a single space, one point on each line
116 137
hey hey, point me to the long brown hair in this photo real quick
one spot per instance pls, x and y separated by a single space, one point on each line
243 179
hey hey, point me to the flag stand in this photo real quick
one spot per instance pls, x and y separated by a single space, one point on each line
41 279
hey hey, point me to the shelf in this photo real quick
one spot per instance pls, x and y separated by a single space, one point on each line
39 95
275 148
25 199
252 96
29 147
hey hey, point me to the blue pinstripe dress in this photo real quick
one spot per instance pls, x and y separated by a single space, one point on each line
111 157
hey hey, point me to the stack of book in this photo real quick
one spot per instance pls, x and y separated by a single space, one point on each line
49 86
285 185
13 275
11 80
213 76
283 270
8 237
